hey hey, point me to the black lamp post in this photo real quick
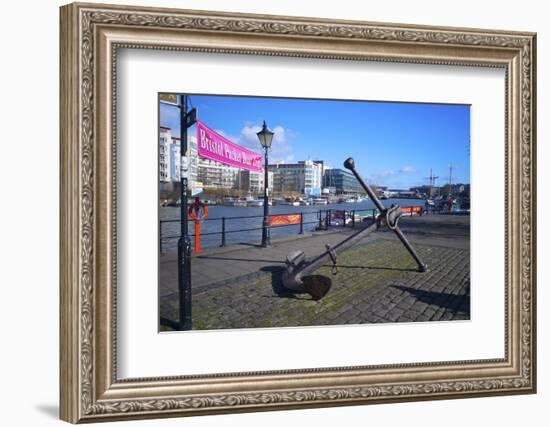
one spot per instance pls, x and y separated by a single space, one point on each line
266 137
184 244
187 119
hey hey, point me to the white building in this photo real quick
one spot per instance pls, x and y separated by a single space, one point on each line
304 177
216 175
193 156
165 143
170 160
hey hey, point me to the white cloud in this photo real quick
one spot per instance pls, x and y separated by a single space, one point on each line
248 137
391 177
282 159
281 150
385 174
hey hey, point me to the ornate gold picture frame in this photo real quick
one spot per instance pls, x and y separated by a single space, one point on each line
91 35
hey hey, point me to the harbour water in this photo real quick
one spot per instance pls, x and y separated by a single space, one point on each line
243 224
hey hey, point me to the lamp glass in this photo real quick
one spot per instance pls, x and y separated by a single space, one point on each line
265 136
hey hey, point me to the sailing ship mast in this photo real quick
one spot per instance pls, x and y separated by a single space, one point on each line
431 179
450 179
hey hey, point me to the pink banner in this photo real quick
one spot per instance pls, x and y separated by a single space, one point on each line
213 146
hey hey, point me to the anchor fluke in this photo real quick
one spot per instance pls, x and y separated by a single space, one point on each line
317 285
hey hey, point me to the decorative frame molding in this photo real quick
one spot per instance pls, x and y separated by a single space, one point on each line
90 36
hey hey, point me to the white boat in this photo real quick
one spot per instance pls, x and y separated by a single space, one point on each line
230 201
320 201
255 203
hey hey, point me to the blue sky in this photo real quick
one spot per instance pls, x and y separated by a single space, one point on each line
393 144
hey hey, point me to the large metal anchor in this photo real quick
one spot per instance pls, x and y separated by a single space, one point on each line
297 274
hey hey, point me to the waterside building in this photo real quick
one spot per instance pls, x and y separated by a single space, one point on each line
342 182
303 177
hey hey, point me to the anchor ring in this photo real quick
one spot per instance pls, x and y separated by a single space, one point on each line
392 216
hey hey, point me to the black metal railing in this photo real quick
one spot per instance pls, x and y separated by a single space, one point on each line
325 218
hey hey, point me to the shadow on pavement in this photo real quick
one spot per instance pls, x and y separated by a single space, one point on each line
279 290
254 245
365 267
169 323
222 258
315 285
441 299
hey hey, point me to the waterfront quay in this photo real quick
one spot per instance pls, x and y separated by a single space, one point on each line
239 286
234 225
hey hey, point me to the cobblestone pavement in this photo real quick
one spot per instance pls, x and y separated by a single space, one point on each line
376 283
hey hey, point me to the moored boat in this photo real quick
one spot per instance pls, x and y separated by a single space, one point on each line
320 201
255 203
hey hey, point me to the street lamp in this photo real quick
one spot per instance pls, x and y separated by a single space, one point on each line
266 137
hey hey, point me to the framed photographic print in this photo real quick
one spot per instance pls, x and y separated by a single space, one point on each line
267 212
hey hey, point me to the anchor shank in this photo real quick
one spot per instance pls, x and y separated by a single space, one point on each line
350 164
345 244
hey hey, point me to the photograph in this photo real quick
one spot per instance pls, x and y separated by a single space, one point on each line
292 212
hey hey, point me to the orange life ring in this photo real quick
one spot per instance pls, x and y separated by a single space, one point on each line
194 211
